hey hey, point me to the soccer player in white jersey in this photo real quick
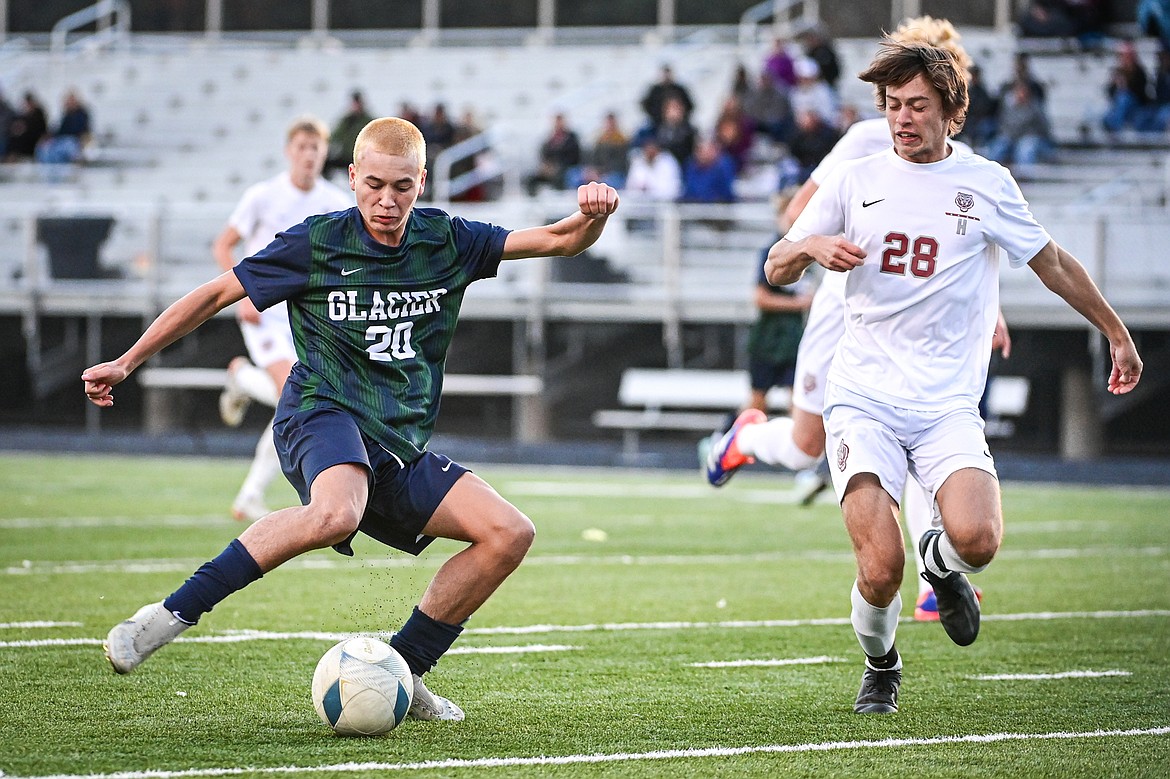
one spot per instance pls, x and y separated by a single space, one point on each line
798 442
266 209
914 226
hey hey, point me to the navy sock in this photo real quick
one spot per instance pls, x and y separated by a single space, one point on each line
422 641
232 570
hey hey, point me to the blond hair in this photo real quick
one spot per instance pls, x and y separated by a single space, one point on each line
393 136
936 32
307 124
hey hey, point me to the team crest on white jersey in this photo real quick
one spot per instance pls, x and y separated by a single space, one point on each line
964 201
810 381
842 455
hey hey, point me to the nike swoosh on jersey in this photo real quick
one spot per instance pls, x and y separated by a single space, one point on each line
349 272
871 203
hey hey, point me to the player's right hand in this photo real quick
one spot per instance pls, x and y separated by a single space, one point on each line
834 253
100 380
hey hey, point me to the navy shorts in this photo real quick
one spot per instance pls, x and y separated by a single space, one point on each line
403 496
766 375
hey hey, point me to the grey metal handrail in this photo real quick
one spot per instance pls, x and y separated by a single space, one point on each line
112 18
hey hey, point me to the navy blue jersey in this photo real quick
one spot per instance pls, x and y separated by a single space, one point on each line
372 323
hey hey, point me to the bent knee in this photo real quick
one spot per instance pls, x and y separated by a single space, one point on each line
879 585
332 525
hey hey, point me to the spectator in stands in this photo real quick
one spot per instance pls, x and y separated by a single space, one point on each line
66 144
7 115
654 173
1156 117
1127 89
1022 71
676 134
1153 19
818 47
345 132
775 334
407 111
1023 137
438 130
27 129
709 175
741 83
814 138
1046 19
734 131
812 93
609 157
660 93
981 111
768 106
264 210
780 65
468 127
559 153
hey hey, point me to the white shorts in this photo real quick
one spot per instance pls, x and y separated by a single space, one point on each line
864 436
822 331
270 341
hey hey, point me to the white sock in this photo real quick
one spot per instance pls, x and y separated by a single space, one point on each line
950 558
256 383
265 467
919 511
771 443
875 626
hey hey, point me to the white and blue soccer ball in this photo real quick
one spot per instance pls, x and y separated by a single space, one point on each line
362 687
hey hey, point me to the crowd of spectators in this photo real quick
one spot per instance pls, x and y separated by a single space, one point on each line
781 117
26 133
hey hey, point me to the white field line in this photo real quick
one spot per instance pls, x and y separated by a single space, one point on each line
40 623
236 636
186 565
176 520
1044 677
769 663
621 757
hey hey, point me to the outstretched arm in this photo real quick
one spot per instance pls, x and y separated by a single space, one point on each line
180 318
223 249
571 235
1064 275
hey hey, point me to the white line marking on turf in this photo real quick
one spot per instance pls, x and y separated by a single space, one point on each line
175 520
619 757
1039 677
769 663
229 637
176 565
38 624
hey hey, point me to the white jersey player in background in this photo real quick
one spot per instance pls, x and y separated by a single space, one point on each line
798 442
913 226
266 209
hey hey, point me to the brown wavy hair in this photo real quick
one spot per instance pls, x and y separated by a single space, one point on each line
900 62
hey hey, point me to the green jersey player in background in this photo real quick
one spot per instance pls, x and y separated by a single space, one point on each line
373 296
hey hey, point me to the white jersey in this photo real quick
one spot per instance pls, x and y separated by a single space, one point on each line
921 310
277 204
266 209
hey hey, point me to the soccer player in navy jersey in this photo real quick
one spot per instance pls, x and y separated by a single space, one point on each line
373 295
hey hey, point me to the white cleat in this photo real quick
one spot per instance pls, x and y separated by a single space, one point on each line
426 705
233 403
134 640
808 485
248 508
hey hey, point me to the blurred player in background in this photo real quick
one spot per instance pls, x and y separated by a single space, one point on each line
797 442
374 294
913 226
266 209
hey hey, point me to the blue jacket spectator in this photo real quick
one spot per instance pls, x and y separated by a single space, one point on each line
709 176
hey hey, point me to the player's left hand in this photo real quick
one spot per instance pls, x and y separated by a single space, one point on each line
597 200
1127 367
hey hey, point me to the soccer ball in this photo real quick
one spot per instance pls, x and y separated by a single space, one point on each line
362 687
